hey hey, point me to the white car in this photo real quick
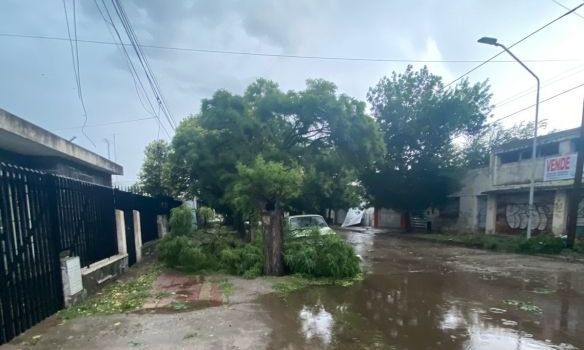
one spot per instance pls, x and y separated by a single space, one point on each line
300 225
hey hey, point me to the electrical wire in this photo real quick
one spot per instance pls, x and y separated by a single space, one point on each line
566 74
275 55
514 44
540 102
133 68
143 61
76 70
567 8
115 122
128 61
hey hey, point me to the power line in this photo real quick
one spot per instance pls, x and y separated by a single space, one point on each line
540 102
127 59
130 62
564 75
514 44
107 123
143 61
76 70
567 8
275 55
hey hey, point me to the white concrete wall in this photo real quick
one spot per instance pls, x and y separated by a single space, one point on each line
518 172
388 218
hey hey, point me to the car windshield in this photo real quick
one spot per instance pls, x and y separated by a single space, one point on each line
303 222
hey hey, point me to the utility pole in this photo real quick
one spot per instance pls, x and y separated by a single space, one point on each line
108 148
530 213
574 201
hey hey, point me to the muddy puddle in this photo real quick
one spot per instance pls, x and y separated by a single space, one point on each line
415 297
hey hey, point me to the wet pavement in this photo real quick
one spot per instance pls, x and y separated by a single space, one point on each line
414 295
419 295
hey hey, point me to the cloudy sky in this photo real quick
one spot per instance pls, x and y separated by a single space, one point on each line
37 79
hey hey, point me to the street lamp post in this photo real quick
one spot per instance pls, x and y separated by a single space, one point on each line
493 41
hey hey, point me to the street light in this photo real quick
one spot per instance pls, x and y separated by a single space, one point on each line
493 41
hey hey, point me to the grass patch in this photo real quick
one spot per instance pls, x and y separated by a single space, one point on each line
118 297
540 244
227 288
288 284
524 306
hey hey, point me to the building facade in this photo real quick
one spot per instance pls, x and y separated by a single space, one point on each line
495 199
25 144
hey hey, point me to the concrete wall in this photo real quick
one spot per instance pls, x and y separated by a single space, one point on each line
473 183
517 172
388 218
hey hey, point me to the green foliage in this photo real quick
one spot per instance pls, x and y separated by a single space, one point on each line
264 182
205 215
246 261
542 244
212 250
181 221
153 174
116 298
295 127
170 249
420 120
579 246
321 256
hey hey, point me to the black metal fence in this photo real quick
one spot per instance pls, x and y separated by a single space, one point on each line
42 215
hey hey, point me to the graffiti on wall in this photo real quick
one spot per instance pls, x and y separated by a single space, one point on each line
517 216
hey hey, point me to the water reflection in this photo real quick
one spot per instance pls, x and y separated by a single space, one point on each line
411 301
317 323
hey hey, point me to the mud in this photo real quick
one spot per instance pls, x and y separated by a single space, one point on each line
415 295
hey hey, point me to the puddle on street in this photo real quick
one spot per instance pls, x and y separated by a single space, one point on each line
414 301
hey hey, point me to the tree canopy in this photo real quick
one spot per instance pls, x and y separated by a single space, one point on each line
420 120
315 129
153 174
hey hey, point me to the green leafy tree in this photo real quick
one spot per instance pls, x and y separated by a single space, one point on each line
295 128
267 186
152 175
420 119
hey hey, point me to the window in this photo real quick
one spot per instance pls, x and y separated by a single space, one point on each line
550 149
509 157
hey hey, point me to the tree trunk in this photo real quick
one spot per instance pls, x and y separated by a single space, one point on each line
272 226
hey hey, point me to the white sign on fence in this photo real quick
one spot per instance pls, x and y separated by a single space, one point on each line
560 167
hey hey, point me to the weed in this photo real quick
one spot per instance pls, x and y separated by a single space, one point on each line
321 256
227 288
524 306
118 297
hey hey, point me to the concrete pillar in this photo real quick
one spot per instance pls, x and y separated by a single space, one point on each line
121 232
162 223
560 216
491 221
72 282
137 235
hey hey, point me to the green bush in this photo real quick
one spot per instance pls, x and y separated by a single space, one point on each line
542 244
170 249
205 215
181 221
246 261
321 256
194 259
579 246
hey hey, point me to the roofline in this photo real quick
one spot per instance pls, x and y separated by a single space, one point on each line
543 139
63 148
